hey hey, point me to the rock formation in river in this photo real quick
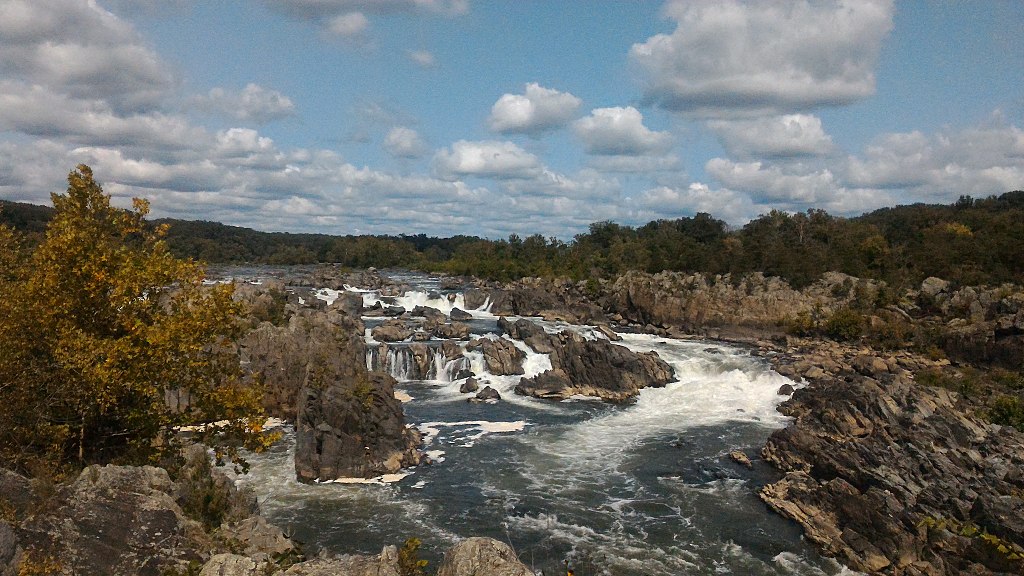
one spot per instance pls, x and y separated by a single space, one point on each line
596 368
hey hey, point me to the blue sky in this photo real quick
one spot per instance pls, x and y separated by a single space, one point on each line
490 118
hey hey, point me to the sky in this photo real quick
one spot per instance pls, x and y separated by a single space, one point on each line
496 117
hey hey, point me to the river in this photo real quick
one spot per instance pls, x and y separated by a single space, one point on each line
639 489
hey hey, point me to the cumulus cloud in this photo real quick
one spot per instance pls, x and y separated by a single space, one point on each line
253 103
772 183
535 111
422 58
790 135
674 202
619 131
977 161
103 60
732 57
403 142
491 159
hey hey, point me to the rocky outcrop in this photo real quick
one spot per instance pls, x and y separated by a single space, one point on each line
500 356
283 358
352 428
588 367
127 520
697 303
537 297
894 477
482 557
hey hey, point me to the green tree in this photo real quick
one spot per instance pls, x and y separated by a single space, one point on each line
109 344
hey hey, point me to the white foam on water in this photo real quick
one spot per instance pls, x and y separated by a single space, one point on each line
414 298
481 428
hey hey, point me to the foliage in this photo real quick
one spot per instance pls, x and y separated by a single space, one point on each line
409 563
999 547
100 326
844 324
1007 411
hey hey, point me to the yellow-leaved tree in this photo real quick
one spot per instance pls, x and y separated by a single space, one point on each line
109 344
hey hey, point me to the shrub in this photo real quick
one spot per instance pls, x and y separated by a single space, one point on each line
1007 411
844 324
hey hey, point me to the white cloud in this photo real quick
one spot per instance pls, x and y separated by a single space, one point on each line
350 25
423 58
672 202
773 183
253 103
620 131
490 159
790 135
535 111
403 142
104 59
727 57
976 161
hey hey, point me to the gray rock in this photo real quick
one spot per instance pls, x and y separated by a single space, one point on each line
594 368
460 315
9 550
482 557
501 357
933 286
487 393
470 385
455 330
384 564
255 535
232 565
391 331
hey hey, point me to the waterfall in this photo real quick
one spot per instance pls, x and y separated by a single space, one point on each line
415 362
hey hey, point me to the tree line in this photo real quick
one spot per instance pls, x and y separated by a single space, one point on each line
972 241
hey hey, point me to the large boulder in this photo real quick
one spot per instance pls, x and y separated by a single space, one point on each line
501 356
115 520
482 557
9 550
391 331
352 427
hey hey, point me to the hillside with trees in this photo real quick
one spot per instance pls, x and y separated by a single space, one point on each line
972 241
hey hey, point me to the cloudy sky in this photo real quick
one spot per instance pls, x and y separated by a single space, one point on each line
487 118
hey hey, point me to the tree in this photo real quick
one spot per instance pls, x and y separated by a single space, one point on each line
109 344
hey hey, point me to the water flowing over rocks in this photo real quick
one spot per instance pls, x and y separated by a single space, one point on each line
891 476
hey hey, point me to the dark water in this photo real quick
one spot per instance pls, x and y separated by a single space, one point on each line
643 489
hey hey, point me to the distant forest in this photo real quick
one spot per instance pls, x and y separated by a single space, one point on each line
972 241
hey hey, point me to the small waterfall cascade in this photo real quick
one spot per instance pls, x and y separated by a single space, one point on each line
438 361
